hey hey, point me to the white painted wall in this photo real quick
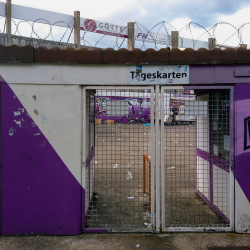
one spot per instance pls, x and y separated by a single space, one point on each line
203 177
59 118
242 211
64 74
221 190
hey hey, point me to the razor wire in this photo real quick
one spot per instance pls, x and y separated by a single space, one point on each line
63 34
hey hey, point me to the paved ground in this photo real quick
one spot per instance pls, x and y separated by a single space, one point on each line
173 241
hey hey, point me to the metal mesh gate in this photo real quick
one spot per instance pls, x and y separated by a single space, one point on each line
119 134
122 177
195 159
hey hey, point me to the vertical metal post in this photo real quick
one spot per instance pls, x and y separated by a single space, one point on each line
131 36
175 39
232 158
84 136
152 143
157 159
77 28
162 162
8 21
211 43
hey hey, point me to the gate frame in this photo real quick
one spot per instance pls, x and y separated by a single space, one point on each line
152 142
232 165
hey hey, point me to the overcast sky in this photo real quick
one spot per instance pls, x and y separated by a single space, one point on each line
150 12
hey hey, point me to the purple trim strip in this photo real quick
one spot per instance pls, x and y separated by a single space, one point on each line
1 159
83 210
214 208
214 160
196 174
221 163
203 154
90 158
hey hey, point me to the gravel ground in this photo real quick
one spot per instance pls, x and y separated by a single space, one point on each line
173 241
120 204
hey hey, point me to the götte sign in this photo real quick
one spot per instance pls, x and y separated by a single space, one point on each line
145 74
104 28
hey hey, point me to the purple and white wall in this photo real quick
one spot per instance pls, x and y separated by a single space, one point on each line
41 139
41 159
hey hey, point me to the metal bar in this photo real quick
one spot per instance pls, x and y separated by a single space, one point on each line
157 160
163 210
232 159
152 142
84 136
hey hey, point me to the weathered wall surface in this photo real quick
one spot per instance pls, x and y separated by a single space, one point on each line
41 165
242 158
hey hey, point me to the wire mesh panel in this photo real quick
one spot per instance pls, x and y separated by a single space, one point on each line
196 158
115 174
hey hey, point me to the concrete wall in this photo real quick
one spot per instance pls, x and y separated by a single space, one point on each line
41 108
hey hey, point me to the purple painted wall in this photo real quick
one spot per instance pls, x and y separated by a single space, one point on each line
39 193
242 137
218 74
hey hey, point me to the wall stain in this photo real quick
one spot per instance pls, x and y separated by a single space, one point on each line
36 112
34 97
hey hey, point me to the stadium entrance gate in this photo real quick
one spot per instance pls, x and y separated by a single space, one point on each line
158 158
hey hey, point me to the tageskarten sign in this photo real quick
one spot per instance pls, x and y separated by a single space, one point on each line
147 74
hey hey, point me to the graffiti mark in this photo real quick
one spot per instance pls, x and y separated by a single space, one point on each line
36 112
247 133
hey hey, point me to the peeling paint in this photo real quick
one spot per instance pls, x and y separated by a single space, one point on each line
18 122
22 109
36 112
244 224
17 113
11 131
